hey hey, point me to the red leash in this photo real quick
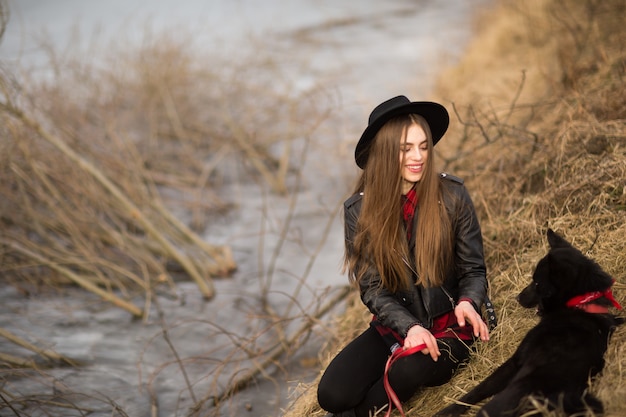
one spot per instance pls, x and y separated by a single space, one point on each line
393 398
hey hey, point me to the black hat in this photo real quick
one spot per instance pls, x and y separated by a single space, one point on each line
435 114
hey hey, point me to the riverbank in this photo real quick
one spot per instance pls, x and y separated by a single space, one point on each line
539 134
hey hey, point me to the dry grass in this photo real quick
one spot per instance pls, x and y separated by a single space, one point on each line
540 139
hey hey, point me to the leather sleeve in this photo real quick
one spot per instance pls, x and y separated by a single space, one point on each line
469 256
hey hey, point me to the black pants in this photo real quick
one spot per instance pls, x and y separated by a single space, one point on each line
354 378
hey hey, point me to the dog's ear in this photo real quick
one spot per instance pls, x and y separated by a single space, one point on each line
556 241
571 271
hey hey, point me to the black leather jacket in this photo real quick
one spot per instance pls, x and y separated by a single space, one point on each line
466 278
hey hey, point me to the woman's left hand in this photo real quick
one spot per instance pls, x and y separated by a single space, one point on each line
464 312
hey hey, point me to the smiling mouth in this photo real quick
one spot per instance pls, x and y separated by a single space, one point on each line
414 168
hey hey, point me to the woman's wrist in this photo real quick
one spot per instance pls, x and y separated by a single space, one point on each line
469 300
413 324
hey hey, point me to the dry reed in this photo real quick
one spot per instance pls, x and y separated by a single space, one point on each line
110 173
98 161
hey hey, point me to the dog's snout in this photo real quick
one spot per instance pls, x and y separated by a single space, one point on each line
528 297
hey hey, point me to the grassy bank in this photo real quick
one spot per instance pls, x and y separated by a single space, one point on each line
539 135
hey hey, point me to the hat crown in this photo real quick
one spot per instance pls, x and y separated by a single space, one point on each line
387 106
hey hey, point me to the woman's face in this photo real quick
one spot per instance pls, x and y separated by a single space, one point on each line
413 156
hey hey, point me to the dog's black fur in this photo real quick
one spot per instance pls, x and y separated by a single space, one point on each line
557 357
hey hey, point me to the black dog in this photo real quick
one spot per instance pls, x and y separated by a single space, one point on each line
557 357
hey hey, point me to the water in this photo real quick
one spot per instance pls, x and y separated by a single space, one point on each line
362 51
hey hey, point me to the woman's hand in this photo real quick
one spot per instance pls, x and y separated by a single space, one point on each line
418 335
464 311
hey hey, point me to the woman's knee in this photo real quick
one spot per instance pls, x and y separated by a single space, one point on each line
418 370
331 397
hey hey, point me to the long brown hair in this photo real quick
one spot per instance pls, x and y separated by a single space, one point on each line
380 240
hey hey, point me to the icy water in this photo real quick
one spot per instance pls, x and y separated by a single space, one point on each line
364 51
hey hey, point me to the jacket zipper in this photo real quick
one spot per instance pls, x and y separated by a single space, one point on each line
428 315
450 298
448 295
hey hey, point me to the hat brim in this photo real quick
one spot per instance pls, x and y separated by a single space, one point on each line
434 113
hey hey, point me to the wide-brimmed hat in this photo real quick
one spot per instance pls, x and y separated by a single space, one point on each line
434 113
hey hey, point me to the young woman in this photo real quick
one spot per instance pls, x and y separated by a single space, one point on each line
414 249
